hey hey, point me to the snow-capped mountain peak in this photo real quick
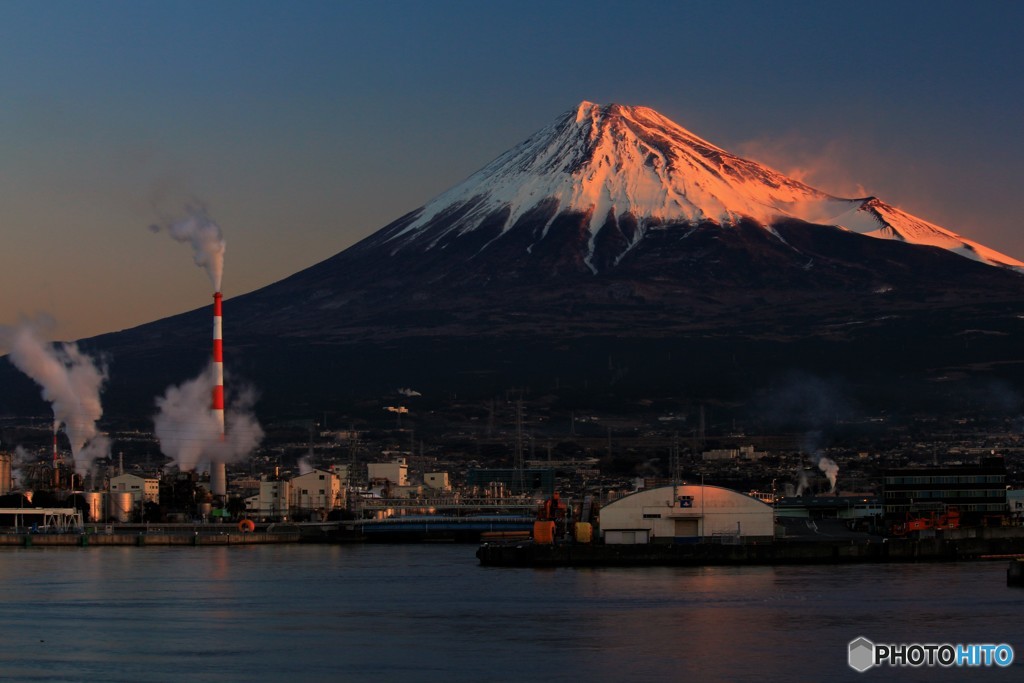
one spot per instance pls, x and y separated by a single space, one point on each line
609 162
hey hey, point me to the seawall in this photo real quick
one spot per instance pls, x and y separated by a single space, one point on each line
147 539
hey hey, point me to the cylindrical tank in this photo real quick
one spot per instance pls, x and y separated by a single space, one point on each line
543 532
93 506
121 506
5 473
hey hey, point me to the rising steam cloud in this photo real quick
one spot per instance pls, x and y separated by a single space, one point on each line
22 460
831 470
189 432
826 465
205 237
71 383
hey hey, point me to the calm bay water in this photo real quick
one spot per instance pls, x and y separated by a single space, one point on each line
430 613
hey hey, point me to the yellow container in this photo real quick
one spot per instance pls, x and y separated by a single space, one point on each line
584 532
544 532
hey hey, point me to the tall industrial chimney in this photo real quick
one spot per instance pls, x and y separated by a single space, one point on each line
56 459
218 471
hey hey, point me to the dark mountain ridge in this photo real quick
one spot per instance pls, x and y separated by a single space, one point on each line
505 282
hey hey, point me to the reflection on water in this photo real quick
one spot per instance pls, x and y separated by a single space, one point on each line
427 612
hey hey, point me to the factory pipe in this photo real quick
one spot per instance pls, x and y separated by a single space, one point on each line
56 459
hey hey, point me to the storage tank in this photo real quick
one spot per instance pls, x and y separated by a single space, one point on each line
94 506
121 506
543 532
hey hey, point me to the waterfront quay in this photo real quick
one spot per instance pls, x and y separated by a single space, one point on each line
152 535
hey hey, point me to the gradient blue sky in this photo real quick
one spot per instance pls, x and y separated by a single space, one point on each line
305 126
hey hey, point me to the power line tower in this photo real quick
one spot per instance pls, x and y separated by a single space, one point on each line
701 428
673 463
519 471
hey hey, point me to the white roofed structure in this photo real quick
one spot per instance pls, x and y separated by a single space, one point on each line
687 514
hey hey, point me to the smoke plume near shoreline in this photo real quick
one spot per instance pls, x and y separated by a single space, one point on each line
189 432
71 382
205 238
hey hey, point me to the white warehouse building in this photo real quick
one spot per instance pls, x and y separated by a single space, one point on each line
687 514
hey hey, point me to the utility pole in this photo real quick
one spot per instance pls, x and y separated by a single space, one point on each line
673 463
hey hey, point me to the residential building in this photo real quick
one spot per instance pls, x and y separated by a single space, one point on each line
315 494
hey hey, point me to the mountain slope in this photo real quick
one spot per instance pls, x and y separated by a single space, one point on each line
612 252
875 218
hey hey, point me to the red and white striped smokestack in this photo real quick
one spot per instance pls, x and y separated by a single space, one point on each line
218 361
218 472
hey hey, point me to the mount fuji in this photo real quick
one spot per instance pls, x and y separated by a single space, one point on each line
616 253
622 171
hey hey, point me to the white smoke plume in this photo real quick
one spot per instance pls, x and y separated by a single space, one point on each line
826 465
811 444
206 238
22 460
305 466
189 432
831 470
71 383
802 482
405 391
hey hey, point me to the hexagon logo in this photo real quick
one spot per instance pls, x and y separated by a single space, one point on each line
862 654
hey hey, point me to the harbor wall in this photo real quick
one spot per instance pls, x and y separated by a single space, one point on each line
151 539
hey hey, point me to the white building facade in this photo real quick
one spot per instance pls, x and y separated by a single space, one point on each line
316 493
686 514
395 472
271 503
437 480
143 490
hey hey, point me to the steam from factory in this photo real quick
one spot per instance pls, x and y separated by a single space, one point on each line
827 466
831 470
205 237
71 382
194 428
192 424
190 434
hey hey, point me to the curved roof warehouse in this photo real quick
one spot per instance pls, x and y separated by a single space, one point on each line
686 514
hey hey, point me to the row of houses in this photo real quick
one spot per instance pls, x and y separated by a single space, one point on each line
314 494
311 495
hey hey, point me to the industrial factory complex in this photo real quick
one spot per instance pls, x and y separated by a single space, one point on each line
723 503
533 480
